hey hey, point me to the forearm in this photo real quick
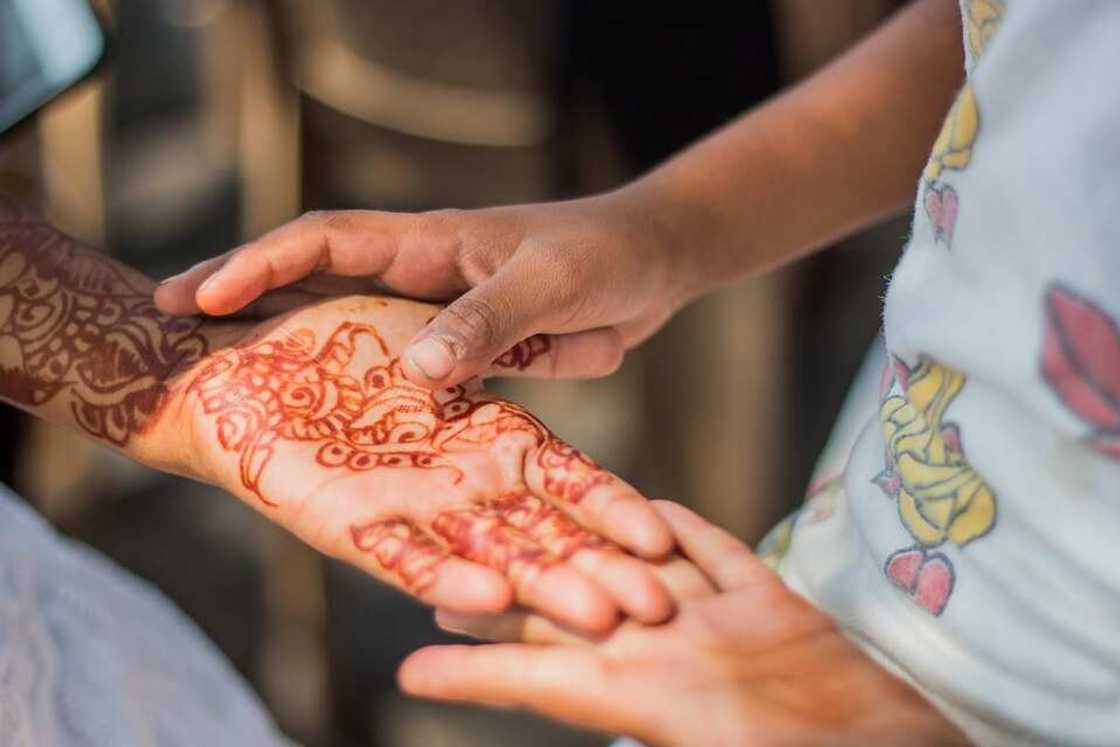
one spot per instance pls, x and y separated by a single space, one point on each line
837 152
82 344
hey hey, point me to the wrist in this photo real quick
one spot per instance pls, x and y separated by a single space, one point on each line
683 231
171 440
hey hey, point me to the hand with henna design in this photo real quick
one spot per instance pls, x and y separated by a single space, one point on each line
426 488
458 497
745 662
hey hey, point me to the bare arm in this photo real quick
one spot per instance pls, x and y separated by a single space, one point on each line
603 273
838 152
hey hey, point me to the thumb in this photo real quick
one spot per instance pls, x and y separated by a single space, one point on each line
474 330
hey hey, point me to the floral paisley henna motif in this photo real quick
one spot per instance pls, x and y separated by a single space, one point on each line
75 325
352 400
522 355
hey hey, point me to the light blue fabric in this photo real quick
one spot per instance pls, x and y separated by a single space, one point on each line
91 656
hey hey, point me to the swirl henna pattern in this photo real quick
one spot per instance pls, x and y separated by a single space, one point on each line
349 397
522 355
73 324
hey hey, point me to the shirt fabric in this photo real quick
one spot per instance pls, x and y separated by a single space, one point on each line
961 524
92 657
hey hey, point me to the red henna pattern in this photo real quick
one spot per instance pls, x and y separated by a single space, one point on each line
401 547
522 355
568 473
548 526
363 419
351 399
74 324
479 535
518 535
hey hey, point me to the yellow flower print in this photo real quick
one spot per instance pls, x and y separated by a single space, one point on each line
953 147
940 497
984 17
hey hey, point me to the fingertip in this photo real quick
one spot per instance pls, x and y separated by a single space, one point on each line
420 672
566 595
469 589
633 522
675 513
632 583
651 603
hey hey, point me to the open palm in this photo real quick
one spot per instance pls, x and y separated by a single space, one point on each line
461 498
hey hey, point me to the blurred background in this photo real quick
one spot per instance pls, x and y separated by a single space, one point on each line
216 120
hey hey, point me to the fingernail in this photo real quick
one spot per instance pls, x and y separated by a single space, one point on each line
208 284
433 358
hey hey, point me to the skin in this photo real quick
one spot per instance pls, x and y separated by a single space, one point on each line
840 151
457 497
744 662
753 663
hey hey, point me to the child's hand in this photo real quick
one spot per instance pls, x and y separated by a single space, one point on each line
745 662
597 275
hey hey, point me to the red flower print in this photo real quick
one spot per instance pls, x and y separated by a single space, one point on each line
1081 363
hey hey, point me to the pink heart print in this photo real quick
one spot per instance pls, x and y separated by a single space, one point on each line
941 206
926 578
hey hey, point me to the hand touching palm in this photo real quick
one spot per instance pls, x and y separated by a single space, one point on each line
744 662
463 499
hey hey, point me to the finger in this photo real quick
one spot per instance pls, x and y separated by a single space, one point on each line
539 580
597 499
501 674
718 553
407 557
577 355
563 682
507 627
630 583
176 295
350 243
482 324
683 580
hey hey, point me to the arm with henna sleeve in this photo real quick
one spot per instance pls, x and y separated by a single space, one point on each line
458 497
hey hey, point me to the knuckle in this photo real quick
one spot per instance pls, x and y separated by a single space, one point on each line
439 217
315 217
565 276
328 221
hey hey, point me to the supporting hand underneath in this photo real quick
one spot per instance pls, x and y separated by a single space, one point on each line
744 662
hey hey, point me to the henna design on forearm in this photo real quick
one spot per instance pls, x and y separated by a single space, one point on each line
522 355
73 324
349 399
